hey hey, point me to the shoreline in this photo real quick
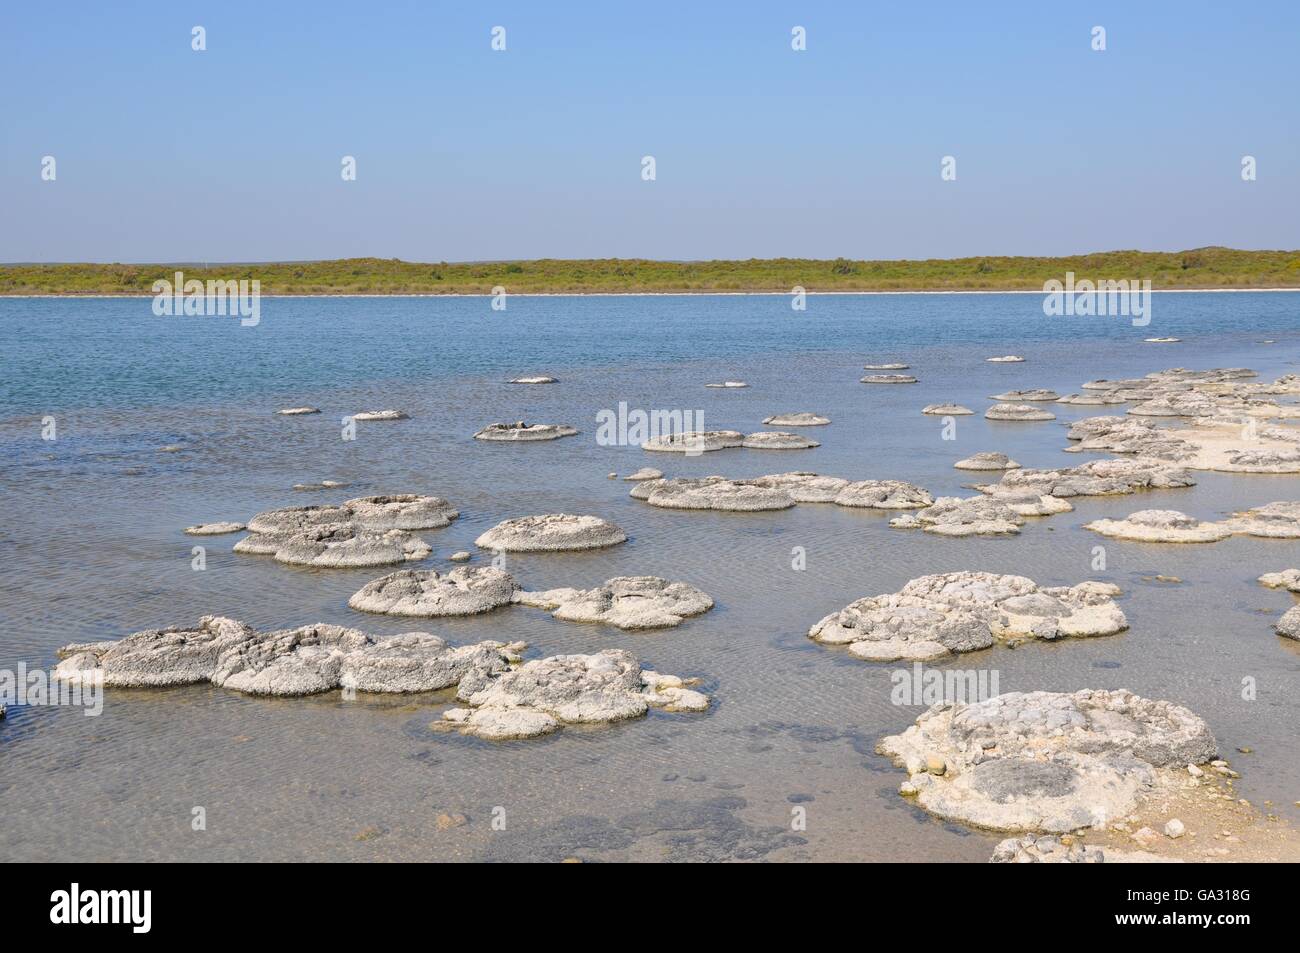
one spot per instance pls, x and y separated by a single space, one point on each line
650 294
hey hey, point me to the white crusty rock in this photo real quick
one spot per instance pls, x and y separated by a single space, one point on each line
1036 394
460 556
645 473
713 493
629 602
1018 412
380 415
1289 625
1095 478
401 511
1089 399
1048 761
297 411
947 410
540 379
1288 579
293 519
1006 359
884 495
288 662
987 460
888 379
1280 520
542 695
322 485
551 532
797 420
884 367
730 384
1044 849
803 487
1161 340
337 547
519 432
215 529
1282 460
1160 526
947 613
695 441
955 516
778 440
427 593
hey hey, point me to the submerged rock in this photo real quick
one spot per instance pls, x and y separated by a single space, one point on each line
695 441
797 420
1006 359
728 384
1048 761
888 379
948 613
551 532
1018 412
380 415
297 411
294 519
322 485
778 440
287 662
645 473
214 529
987 460
884 495
1017 396
541 379
947 410
884 367
427 593
542 695
520 432
1160 526
629 602
337 546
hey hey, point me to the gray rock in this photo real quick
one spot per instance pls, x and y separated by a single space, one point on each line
1044 849
1288 579
428 593
401 511
884 367
297 411
695 441
778 440
1018 412
645 473
1048 761
214 529
1289 625
1020 396
541 379
884 495
713 493
629 602
797 420
888 379
289 662
541 695
802 486
972 516
987 460
1160 526
520 432
946 410
380 415
551 532
948 613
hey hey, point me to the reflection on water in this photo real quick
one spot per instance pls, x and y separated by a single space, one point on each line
92 549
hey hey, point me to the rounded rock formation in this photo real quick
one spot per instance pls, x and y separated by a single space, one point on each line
551 532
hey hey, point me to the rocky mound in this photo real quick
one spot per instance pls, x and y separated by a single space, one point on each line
287 662
1045 761
551 532
629 602
778 440
427 593
987 460
520 432
946 410
948 613
542 695
1018 412
695 441
1160 526
797 420
955 516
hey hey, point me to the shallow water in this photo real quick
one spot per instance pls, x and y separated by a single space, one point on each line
93 549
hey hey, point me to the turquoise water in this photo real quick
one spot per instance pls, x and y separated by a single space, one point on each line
92 549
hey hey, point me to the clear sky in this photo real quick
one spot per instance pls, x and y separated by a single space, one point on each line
463 153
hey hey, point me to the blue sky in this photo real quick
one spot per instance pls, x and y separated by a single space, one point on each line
463 153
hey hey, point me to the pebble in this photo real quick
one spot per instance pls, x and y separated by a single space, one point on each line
1175 828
